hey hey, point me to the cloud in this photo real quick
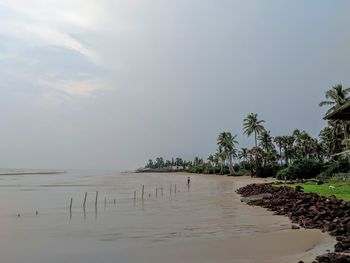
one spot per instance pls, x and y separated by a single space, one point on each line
74 88
53 37
33 23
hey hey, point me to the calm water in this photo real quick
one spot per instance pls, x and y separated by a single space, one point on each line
208 210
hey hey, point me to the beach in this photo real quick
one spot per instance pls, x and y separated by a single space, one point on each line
206 222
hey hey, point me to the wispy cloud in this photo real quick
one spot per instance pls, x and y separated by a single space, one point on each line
36 24
74 87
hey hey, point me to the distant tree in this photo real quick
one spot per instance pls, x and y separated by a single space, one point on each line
266 141
251 125
279 142
227 142
167 163
159 162
150 164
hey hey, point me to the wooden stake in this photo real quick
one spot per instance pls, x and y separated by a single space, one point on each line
84 200
156 193
143 191
170 188
175 189
71 203
134 195
96 199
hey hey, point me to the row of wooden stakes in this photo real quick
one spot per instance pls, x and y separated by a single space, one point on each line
142 196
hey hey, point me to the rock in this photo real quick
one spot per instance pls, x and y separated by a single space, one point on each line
295 227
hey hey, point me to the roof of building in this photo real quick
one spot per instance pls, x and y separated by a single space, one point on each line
341 113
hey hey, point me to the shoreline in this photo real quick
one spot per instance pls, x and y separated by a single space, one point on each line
32 173
309 211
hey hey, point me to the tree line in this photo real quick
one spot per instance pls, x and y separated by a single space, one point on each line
269 154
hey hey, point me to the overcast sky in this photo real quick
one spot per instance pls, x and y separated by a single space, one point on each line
111 83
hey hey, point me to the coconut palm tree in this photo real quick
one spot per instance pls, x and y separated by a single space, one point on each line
251 125
336 97
243 155
211 160
221 156
332 137
279 142
266 141
256 158
227 142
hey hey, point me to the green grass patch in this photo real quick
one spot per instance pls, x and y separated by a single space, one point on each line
340 190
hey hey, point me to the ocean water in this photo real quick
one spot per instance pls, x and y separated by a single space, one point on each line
37 225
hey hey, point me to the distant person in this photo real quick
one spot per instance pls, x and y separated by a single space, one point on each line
188 181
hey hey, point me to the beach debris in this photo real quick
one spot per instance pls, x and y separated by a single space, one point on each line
18 215
295 227
36 213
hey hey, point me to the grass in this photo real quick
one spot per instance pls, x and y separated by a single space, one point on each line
341 189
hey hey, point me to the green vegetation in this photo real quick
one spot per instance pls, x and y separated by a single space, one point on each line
293 156
340 189
307 168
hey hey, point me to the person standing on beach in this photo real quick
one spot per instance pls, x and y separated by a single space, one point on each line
188 181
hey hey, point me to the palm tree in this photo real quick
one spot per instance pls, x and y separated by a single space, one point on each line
279 142
221 156
337 96
227 142
251 124
332 137
211 160
267 145
266 141
255 156
243 155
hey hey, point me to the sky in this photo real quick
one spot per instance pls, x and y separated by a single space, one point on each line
109 84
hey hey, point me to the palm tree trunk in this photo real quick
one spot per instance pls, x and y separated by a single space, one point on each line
280 154
256 141
222 167
232 171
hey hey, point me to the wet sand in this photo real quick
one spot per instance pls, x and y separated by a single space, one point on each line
204 223
276 247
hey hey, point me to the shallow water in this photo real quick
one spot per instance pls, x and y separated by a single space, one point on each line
125 230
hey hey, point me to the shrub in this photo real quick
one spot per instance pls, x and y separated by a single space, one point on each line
340 166
301 169
264 172
242 172
195 169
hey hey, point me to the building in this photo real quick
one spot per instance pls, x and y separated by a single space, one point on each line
341 113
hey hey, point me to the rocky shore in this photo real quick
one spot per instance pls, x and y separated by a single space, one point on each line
309 211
